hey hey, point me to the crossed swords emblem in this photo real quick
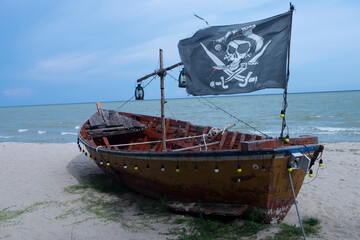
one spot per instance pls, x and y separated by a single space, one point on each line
243 80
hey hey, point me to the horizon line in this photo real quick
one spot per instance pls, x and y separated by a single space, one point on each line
210 96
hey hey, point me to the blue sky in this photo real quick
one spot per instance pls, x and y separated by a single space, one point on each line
85 51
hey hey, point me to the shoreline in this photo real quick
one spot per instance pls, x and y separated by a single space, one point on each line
34 177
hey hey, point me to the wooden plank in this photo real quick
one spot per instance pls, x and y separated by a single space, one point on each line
222 141
275 143
192 142
106 141
99 107
187 129
219 209
130 146
241 139
233 140
112 133
194 147
92 142
101 130
206 130
97 120
157 146
143 146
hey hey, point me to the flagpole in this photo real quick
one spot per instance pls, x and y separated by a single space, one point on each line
283 112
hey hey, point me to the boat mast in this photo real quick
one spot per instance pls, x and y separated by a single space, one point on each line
161 73
163 137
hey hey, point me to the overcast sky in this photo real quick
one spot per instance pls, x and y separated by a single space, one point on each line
85 51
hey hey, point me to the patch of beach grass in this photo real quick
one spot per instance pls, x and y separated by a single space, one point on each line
100 183
153 208
206 227
103 198
354 151
8 214
312 226
292 232
99 196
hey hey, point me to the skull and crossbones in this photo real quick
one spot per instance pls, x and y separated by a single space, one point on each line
236 51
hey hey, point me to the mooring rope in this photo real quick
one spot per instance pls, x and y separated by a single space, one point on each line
297 209
317 171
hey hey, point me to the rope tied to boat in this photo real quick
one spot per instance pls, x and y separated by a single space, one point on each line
212 133
211 104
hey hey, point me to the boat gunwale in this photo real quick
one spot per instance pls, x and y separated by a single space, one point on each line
215 153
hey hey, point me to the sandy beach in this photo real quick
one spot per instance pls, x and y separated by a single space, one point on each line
34 178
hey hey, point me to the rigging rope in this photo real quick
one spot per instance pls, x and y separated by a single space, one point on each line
172 77
283 114
168 108
118 108
200 99
248 125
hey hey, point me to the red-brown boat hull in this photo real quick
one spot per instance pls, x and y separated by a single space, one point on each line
263 181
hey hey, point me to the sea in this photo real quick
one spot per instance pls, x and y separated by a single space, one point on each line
332 116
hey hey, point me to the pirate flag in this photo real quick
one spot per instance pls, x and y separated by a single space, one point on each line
237 58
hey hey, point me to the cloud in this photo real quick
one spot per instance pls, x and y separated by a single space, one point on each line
17 92
106 62
68 66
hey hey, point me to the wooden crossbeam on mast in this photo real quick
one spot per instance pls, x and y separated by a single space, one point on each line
160 71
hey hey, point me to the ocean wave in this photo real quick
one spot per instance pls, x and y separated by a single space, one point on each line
265 132
6 137
77 127
23 130
68 133
336 129
41 132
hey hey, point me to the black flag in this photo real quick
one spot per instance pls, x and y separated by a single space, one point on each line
237 58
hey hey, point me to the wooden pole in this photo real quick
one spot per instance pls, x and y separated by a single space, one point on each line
163 138
283 125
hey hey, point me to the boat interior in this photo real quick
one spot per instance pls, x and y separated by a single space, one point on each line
134 132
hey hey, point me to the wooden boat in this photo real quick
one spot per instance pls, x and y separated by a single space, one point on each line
201 164
200 168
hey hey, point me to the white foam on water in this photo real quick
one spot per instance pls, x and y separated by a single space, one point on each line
23 130
6 137
41 132
68 133
335 130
